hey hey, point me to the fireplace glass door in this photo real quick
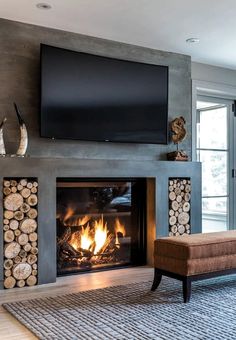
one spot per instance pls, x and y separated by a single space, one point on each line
101 224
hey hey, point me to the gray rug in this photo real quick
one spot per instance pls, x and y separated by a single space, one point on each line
133 312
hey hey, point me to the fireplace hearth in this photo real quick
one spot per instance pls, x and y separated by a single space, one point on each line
101 224
150 182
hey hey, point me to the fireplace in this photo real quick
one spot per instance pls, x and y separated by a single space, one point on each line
101 224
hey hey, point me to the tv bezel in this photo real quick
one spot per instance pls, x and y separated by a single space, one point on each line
105 140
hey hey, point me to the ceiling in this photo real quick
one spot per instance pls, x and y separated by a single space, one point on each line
163 25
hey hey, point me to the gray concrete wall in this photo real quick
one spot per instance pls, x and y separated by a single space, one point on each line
20 77
47 170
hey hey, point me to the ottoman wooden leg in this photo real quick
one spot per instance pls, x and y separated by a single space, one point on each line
157 279
186 289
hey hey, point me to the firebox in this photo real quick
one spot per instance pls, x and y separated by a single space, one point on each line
101 224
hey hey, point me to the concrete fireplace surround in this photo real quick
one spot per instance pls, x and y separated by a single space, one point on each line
46 170
20 74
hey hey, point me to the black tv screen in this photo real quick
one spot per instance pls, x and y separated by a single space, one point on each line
95 98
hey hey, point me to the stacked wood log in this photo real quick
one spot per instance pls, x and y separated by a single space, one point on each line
20 232
179 206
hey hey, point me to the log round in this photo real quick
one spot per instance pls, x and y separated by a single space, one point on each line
17 232
179 198
186 207
13 202
31 281
172 196
9 236
23 239
187 188
28 225
34 190
23 253
25 192
14 190
17 259
8 214
8 264
35 266
12 250
23 182
183 218
13 183
19 187
34 244
6 191
177 191
174 229
31 259
6 183
25 208
172 220
6 221
34 250
9 282
35 184
181 229
32 200
187 227
20 283
187 197
33 237
7 272
34 272
175 205
32 213
21 271
19 215
171 212
29 185
6 227
27 247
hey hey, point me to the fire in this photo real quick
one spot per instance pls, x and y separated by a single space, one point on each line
95 239
100 235
75 241
83 221
69 214
86 239
119 228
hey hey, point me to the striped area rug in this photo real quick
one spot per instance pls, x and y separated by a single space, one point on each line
134 312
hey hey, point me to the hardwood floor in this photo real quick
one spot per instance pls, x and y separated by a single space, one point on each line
11 329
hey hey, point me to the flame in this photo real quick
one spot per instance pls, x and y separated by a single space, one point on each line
96 238
119 228
100 235
69 214
75 240
83 221
86 239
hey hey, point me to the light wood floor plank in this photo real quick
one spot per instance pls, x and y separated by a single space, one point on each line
11 329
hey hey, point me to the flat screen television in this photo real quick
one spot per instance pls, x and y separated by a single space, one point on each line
96 98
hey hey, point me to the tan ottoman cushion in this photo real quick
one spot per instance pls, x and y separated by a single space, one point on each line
197 253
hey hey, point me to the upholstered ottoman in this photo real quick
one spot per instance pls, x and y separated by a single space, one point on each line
194 257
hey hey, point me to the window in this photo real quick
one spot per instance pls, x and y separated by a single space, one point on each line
215 150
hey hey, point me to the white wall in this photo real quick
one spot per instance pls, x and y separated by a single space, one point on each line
214 74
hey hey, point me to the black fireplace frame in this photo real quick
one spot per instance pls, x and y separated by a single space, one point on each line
139 242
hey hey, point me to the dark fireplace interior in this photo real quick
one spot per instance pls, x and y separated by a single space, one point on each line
101 224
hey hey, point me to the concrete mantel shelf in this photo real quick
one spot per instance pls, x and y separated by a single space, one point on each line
47 170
